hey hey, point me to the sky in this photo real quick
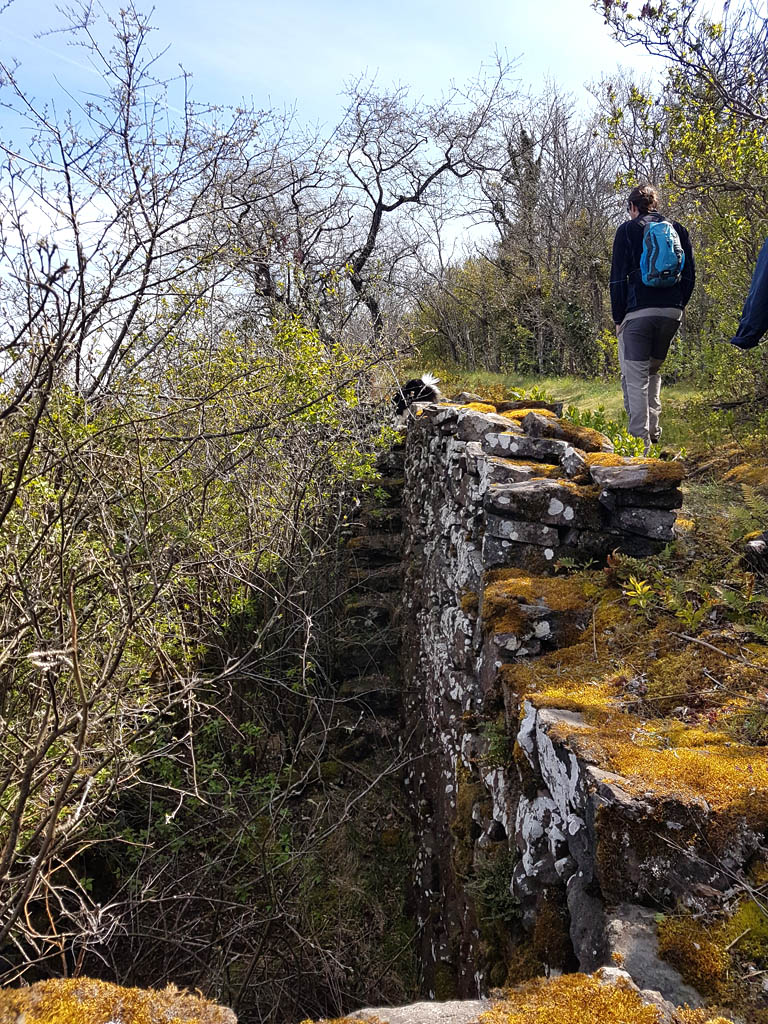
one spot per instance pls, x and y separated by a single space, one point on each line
300 53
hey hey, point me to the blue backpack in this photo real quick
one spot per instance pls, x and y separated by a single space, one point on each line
662 258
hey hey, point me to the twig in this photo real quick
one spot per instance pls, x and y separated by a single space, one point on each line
594 636
737 939
726 654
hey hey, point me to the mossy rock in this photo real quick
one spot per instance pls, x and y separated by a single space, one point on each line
86 1001
572 999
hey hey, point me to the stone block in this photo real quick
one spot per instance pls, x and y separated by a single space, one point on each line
646 522
632 934
533 558
587 543
522 403
586 438
472 425
511 445
466 397
525 533
509 471
616 473
574 462
547 501
631 498
636 546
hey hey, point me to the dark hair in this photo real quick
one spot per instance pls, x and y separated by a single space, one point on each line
644 197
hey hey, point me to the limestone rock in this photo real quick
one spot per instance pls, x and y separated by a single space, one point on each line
574 463
455 1011
615 472
495 470
472 425
466 397
546 501
638 498
632 935
533 558
512 445
524 533
654 523
587 543
584 437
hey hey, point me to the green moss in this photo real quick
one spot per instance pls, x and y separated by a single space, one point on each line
499 753
446 982
391 837
468 793
748 931
330 771
551 940
523 964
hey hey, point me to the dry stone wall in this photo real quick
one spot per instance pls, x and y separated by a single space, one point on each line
492 503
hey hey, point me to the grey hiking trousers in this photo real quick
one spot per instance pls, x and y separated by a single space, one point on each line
644 338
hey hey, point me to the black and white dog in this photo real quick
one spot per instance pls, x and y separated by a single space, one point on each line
756 554
418 389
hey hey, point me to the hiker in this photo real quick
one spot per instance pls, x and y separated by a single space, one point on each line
754 316
652 278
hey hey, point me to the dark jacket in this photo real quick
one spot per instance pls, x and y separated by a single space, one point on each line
628 292
754 317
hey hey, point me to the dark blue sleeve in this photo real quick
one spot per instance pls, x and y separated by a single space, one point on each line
688 278
621 265
754 317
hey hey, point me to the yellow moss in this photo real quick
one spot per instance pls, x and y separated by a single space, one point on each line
609 459
701 759
659 759
572 999
545 469
752 474
688 1016
86 1001
508 589
481 407
671 473
578 435
702 961
469 602
519 414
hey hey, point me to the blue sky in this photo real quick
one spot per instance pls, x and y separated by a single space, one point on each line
301 52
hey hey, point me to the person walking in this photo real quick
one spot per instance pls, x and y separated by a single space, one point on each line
652 278
753 322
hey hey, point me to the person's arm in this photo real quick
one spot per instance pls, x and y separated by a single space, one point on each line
754 317
620 268
688 277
